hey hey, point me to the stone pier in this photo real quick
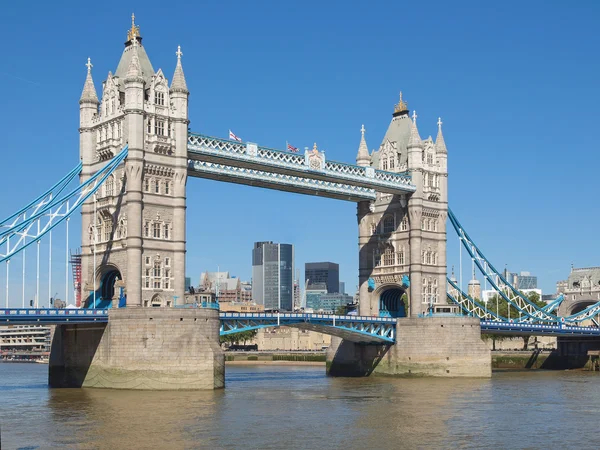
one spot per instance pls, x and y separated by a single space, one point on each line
430 347
140 348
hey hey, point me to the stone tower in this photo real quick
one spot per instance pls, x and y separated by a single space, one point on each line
135 225
404 235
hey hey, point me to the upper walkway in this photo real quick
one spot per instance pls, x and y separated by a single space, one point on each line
309 173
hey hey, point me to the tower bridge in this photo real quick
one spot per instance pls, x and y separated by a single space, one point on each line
136 154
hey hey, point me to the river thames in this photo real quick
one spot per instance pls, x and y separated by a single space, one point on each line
289 407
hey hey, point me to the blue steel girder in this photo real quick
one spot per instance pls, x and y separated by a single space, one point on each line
367 330
50 316
537 329
311 164
278 181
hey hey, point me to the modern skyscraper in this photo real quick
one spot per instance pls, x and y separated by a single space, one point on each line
342 287
323 274
273 275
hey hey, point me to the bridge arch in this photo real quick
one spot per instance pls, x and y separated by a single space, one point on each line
109 280
390 300
580 305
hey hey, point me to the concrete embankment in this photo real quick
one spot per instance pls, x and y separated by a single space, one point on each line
290 358
539 360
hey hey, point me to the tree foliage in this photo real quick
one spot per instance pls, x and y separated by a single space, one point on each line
236 338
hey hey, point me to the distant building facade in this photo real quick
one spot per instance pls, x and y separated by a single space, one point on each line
325 302
342 287
522 280
19 339
321 274
273 275
225 287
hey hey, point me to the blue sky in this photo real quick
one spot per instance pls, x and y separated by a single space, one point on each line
514 82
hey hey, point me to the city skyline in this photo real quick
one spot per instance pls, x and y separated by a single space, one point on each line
479 96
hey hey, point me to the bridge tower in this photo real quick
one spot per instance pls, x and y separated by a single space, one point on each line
133 231
404 235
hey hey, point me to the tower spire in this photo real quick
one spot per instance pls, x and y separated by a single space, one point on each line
89 91
415 139
362 158
134 31
178 83
134 71
440 144
401 107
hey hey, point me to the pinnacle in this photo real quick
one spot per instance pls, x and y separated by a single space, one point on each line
362 158
440 144
415 139
134 71
89 91
178 83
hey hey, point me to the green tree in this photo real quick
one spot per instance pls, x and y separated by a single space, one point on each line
236 338
404 301
341 310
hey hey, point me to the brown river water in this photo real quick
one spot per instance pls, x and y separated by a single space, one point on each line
299 407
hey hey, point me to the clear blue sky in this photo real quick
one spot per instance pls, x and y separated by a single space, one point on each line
514 82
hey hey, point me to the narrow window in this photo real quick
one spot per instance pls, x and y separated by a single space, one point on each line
157 230
167 187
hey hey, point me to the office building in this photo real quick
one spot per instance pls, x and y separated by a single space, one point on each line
273 275
342 287
323 274
225 287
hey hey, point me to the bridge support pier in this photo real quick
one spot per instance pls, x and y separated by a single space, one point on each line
432 347
141 348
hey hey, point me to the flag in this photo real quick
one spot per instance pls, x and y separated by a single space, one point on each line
291 148
234 137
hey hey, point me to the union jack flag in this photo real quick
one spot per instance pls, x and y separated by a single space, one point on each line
234 137
291 148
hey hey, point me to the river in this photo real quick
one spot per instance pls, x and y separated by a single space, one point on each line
298 407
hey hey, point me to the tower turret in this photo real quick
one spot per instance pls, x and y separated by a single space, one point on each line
362 158
88 107
415 145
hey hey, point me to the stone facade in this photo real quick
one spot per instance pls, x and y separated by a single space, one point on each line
161 349
137 219
288 338
433 347
401 235
581 290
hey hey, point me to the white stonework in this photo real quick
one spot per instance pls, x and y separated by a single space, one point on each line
405 235
139 226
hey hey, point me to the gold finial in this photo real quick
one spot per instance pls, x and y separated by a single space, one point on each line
135 29
401 106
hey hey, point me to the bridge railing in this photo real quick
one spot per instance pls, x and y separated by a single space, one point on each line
306 316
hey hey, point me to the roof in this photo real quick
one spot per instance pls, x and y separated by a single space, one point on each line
145 64
398 133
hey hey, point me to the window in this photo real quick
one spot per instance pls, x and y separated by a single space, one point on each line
166 231
388 224
167 187
156 230
428 258
157 270
110 186
159 98
157 187
376 258
392 162
147 185
167 279
434 224
400 257
148 263
384 164
157 283
149 125
388 256
159 127
404 224
107 230
168 262
147 234
429 158
147 281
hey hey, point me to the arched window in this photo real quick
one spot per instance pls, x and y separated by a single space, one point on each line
110 186
404 224
388 256
388 224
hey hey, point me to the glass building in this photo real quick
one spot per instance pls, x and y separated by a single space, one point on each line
273 275
321 274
